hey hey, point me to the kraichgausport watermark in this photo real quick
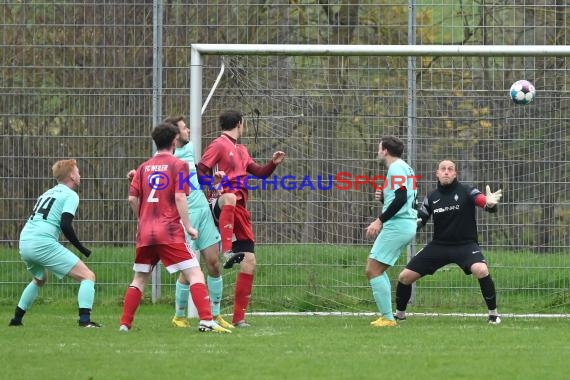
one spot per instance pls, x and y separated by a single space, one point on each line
159 180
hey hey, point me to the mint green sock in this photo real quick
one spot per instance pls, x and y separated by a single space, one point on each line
215 288
28 296
86 294
381 290
181 299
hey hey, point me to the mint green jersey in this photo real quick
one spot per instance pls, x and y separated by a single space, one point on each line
196 199
44 222
401 174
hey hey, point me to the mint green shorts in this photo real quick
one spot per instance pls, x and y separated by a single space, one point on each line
394 236
44 254
208 234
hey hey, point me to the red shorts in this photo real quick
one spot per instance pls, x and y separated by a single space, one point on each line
243 229
242 224
174 257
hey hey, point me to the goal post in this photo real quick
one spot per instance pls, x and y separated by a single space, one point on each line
328 119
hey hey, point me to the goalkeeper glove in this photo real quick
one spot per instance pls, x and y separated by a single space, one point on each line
492 198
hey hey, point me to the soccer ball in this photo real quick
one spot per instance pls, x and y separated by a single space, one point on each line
522 92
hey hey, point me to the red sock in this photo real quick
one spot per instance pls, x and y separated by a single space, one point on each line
226 224
244 285
131 303
201 300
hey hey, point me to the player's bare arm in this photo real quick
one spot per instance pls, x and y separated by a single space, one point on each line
134 202
182 207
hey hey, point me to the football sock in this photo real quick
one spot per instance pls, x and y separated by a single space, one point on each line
132 300
84 315
181 298
382 295
201 300
28 296
18 315
488 290
226 225
86 294
215 287
244 286
403 294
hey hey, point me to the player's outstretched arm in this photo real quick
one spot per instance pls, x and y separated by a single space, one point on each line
278 157
424 212
492 199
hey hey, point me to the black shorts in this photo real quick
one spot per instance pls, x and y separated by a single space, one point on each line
434 256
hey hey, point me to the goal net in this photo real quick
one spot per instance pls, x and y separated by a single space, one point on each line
328 112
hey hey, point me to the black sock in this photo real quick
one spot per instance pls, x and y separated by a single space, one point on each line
84 315
18 314
403 294
488 290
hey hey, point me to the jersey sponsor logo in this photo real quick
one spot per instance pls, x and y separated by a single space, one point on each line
446 209
155 168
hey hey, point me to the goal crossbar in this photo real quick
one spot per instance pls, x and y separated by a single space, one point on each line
198 50
387 50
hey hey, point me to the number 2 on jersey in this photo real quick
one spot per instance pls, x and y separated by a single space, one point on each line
154 180
43 206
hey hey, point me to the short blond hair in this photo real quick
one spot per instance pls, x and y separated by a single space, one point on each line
63 168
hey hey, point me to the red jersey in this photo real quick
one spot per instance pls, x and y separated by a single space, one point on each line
233 159
155 183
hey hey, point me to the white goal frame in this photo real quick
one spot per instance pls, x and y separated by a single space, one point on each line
196 74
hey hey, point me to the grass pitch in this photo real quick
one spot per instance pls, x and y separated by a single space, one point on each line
51 346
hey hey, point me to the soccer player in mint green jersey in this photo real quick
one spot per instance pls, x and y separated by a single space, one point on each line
394 229
41 251
208 235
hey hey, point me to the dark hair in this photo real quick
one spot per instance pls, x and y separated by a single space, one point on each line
393 145
174 119
230 119
164 134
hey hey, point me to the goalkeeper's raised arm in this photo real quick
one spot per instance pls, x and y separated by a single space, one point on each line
452 205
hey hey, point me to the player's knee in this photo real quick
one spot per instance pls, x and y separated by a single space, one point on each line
195 276
480 270
248 263
182 280
89 275
213 268
407 277
213 264
39 282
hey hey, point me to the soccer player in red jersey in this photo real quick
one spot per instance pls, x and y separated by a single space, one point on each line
225 158
158 197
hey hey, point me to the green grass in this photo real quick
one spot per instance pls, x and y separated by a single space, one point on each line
50 346
326 278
